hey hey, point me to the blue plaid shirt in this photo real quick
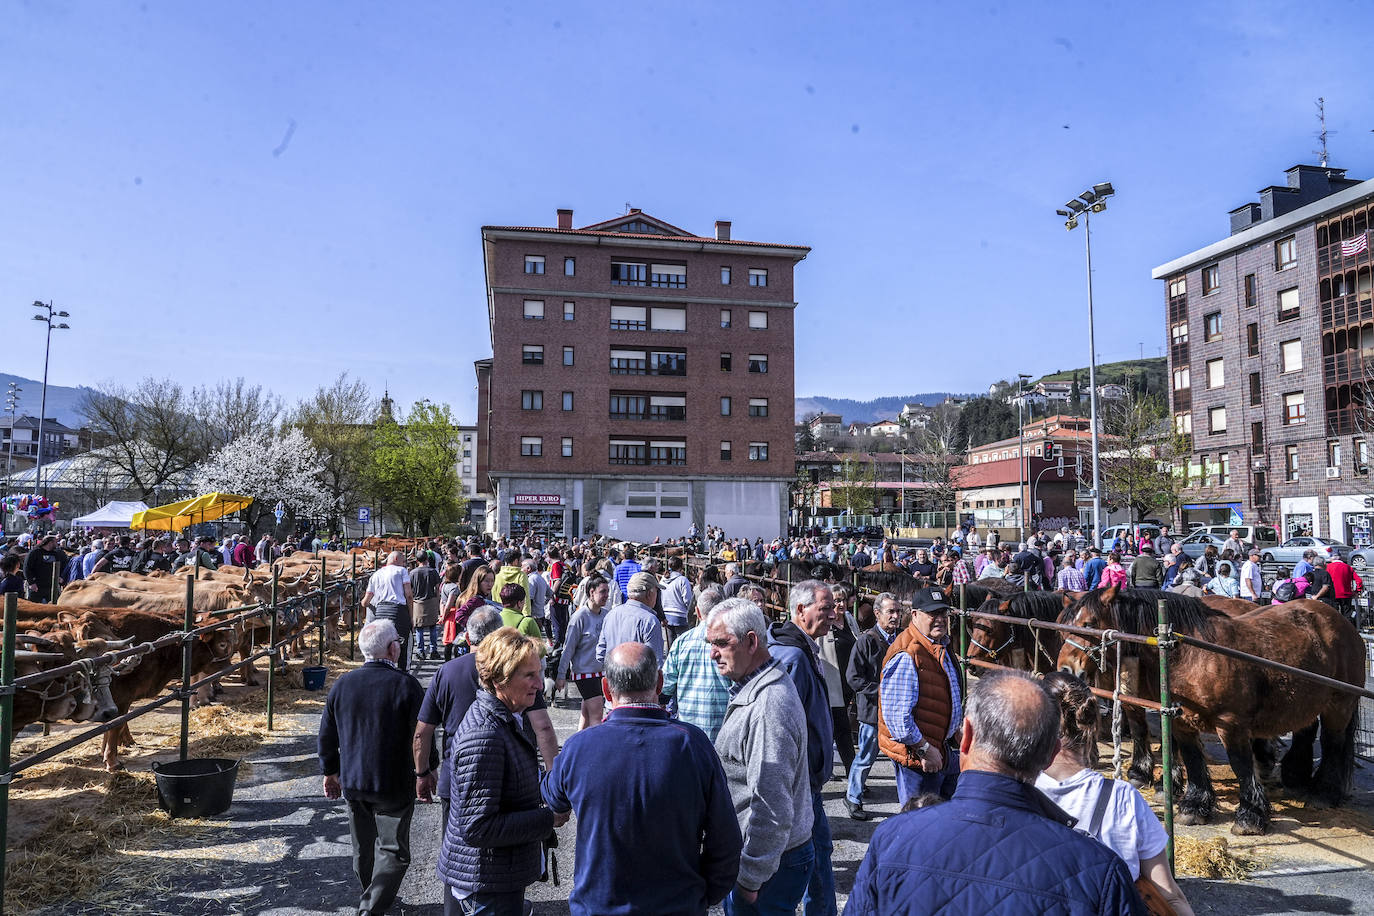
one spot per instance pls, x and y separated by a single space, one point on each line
899 690
699 692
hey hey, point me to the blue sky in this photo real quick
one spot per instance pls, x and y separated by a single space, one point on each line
287 190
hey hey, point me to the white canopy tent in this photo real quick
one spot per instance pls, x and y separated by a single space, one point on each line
111 515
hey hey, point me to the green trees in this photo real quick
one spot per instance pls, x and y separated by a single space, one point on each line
856 491
337 420
413 470
1141 457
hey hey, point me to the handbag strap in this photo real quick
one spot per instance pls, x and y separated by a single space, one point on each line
1100 809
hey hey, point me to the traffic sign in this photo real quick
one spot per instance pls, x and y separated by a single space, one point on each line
364 515
279 511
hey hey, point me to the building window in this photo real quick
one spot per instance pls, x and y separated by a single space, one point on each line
758 362
725 362
724 276
1290 355
567 400
629 318
534 309
628 406
725 407
1285 253
532 446
1255 389
668 276
1257 437
667 407
758 321
1251 296
569 311
1216 421
570 267
1288 304
567 356
1178 287
758 276
1183 423
1361 457
1225 469
567 446
627 273
531 400
629 362
1211 279
668 453
534 264
1211 326
667 319
532 354
725 318
667 362
1181 379
629 451
1178 333
758 407
1333 454
1294 408
725 446
1290 462
758 451
1216 373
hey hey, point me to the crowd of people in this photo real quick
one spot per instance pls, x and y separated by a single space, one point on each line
707 733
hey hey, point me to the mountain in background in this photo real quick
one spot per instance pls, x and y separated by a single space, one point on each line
1146 375
865 411
63 403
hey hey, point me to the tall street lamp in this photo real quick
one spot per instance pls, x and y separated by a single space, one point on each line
50 318
11 402
1022 465
1089 202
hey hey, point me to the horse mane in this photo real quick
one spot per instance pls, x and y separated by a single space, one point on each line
1033 605
799 570
1136 610
898 583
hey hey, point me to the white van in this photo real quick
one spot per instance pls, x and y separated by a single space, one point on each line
1111 534
1260 536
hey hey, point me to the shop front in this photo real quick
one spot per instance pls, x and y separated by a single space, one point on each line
539 514
1197 514
1298 517
1352 519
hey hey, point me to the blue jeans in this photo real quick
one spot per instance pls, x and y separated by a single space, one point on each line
863 762
911 783
820 888
421 633
781 893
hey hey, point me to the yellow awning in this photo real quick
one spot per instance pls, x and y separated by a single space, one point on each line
176 516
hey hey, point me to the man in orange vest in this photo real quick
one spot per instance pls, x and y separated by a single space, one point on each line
920 707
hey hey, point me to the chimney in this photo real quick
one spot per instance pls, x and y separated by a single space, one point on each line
722 230
564 219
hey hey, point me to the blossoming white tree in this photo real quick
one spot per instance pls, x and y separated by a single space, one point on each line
269 467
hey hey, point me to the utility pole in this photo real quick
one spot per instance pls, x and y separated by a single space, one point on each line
47 319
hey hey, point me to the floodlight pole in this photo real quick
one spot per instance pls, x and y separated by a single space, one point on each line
1092 384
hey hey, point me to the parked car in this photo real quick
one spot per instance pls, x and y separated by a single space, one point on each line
1361 558
1112 533
1262 536
1196 543
1291 550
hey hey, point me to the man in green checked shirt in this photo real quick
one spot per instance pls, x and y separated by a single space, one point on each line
693 687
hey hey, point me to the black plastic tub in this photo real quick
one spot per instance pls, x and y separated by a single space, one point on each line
196 788
313 676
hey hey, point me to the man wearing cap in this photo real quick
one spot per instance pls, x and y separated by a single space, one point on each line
633 621
158 556
1145 570
919 704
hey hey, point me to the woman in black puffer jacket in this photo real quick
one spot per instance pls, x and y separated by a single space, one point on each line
491 850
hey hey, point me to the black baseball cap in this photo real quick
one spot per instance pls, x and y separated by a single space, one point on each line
930 600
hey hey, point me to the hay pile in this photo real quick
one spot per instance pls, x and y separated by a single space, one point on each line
1210 858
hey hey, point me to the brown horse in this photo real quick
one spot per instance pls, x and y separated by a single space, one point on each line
1241 702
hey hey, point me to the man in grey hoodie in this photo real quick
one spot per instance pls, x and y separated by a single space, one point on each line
762 745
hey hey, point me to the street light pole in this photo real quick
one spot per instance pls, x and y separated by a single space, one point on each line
1022 465
11 402
43 409
1091 201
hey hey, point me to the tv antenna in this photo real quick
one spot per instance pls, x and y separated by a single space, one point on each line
1323 133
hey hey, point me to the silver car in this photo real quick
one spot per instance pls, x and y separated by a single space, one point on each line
1291 550
1196 543
1361 558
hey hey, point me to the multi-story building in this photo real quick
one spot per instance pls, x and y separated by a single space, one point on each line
997 481
1269 331
476 496
641 379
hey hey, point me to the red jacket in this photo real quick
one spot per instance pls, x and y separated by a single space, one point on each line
1344 581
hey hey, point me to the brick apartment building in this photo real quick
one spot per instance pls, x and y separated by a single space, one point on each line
1269 330
996 483
641 379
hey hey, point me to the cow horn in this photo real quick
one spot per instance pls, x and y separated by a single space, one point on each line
24 655
37 640
115 645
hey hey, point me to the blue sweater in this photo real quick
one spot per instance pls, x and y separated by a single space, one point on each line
997 848
656 829
789 646
366 732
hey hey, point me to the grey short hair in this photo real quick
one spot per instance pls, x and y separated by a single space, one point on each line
1018 734
482 623
708 598
886 596
731 569
805 592
635 679
754 592
376 637
739 616
641 583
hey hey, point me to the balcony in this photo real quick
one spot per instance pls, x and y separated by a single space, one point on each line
1350 309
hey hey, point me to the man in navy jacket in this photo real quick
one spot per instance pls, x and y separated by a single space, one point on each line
656 827
365 755
998 846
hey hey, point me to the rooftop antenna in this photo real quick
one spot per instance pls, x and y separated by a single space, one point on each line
1323 133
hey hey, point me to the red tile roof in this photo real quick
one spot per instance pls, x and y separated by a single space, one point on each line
643 235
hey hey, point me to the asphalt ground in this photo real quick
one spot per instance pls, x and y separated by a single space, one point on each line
283 850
